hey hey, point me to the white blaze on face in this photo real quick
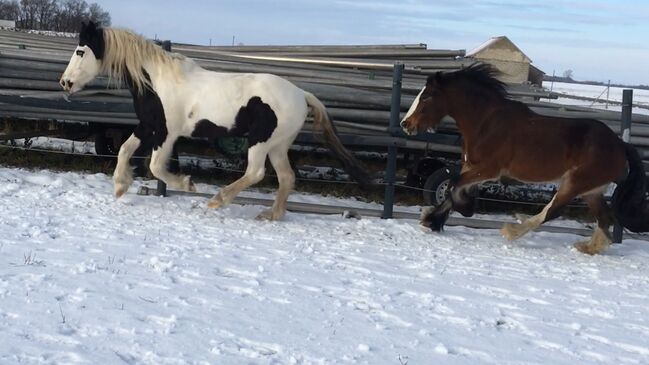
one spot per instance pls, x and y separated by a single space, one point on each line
413 107
83 67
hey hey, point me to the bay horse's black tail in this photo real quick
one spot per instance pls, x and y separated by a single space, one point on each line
629 203
322 120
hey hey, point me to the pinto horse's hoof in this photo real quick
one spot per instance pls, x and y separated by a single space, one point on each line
269 215
119 192
188 184
216 201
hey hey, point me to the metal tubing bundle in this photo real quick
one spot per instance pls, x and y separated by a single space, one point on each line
354 82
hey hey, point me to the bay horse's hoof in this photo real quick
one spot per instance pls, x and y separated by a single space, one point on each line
511 231
587 248
433 219
435 225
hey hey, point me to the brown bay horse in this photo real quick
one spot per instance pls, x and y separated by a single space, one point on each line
504 138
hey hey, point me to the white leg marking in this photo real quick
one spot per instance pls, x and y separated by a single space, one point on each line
159 167
599 242
123 175
254 173
286 178
512 231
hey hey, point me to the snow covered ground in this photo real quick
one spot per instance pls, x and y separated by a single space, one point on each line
85 279
640 97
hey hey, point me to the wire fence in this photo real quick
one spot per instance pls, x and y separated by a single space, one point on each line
234 170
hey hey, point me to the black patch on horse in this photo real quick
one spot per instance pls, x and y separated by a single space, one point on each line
256 120
152 129
92 35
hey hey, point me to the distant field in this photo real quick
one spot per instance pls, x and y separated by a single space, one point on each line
640 97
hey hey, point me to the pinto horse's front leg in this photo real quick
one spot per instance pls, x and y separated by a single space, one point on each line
254 173
159 167
123 175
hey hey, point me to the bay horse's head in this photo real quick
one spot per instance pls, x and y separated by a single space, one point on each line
458 90
86 60
428 109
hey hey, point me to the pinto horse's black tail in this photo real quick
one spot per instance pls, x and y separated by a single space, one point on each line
321 120
629 200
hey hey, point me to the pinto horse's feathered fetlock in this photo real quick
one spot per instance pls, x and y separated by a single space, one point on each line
174 97
504 138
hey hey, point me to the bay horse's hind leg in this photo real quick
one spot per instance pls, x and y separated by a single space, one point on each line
601 238
254 174
285 176
123 175
567 191
159 167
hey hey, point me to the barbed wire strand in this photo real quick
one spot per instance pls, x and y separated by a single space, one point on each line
402 186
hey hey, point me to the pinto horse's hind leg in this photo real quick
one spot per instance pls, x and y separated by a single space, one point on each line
601 238
123 175
286 178
254 174
159 167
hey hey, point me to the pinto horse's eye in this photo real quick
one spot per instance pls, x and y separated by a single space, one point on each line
80 53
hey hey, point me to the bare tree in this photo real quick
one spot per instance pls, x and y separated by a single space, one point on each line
71 14
9 9
58 15
99 15
46 13
568 74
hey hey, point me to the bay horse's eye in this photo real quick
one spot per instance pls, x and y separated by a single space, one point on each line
80 53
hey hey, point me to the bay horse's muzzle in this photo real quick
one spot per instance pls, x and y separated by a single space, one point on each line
406 125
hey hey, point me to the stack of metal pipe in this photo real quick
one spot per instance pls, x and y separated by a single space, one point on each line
354 82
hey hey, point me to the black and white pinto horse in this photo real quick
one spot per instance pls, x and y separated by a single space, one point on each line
174 97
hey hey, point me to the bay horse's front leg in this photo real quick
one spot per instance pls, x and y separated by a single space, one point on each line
159 167
461 199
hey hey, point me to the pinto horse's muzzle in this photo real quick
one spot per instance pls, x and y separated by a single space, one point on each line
66 84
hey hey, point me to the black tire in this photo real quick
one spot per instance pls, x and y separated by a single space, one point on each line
437 185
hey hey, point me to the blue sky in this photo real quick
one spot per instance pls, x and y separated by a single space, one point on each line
598 40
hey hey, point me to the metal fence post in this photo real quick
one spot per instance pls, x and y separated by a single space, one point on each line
627 108
161 189
391 169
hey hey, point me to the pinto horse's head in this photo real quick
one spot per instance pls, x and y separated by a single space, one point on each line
428 109
85 63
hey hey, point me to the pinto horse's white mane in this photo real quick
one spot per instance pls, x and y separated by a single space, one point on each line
126 51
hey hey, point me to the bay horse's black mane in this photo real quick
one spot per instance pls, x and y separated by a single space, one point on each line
481 75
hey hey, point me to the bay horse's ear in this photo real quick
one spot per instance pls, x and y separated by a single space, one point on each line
83 26
434 79
438 77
